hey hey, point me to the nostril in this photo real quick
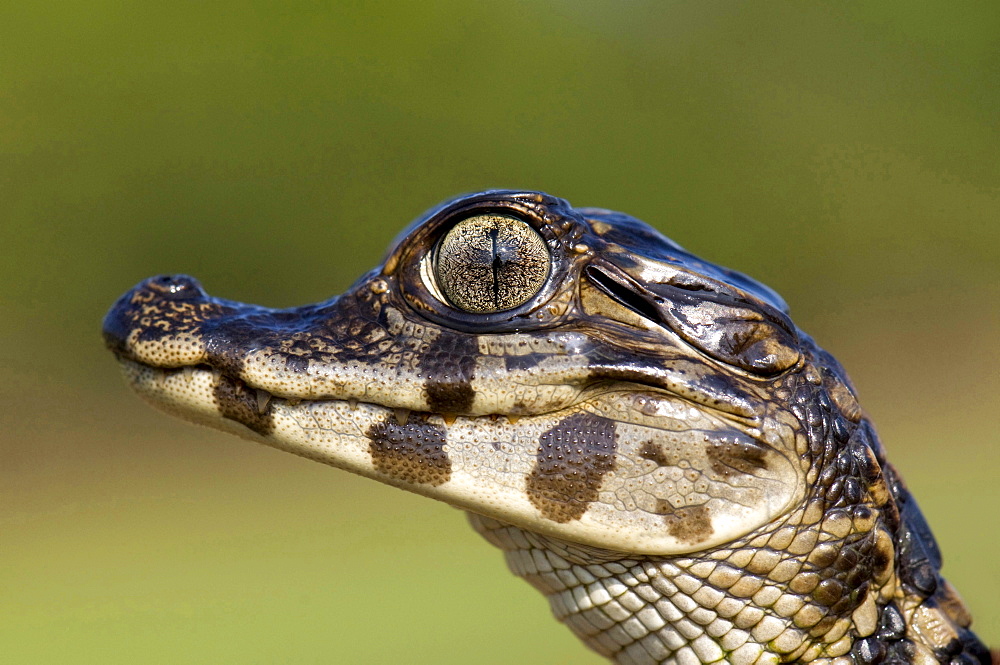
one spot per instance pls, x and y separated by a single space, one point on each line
176 286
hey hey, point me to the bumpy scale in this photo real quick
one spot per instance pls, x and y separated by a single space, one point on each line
647 436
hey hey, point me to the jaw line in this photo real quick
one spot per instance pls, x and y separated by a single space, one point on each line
190 393
153 389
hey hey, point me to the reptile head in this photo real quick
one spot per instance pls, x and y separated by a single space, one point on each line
571 372
574 376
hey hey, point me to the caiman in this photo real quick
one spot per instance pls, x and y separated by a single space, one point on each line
654 445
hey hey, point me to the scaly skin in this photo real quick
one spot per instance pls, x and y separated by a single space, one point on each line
652 442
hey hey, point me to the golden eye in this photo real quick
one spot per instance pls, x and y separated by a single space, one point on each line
490 263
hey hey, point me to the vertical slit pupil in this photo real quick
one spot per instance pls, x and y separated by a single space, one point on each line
497 265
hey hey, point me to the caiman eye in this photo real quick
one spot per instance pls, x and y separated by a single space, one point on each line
490 263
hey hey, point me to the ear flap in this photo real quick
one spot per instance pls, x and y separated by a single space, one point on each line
721 322
753 337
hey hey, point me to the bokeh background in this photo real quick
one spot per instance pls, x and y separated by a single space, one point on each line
847 154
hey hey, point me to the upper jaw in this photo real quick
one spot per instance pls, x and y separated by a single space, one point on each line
366 346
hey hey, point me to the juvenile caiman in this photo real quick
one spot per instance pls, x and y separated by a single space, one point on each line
647 436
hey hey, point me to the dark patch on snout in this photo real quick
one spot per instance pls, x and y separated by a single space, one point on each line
228 341
238 402
735 454
449 365
297 364
413 453
689 524
571 461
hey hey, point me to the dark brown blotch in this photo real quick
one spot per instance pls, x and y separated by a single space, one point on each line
688 524
570 465
449 365
238 402
948 651
449 396
882 555
297 364
229 340
413 453
656 454
734 454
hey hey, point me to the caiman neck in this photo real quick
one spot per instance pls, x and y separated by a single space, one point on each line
842 579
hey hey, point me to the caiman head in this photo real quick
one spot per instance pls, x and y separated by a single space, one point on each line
648 436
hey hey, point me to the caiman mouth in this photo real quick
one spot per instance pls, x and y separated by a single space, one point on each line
153 384
564 431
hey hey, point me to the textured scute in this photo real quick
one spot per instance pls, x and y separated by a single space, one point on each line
647 436
570 464
412 453
449 364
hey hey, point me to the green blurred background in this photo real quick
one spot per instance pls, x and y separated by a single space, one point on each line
847 154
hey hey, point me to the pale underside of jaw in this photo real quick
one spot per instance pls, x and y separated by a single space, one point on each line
490 460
